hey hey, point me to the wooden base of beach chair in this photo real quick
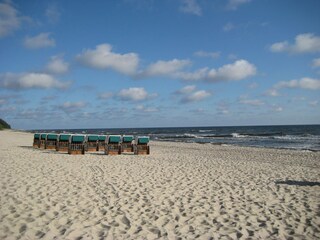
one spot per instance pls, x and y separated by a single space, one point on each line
62 149
127 148
76 152
101 147
51 144
51 147
112 150
142 150
62 146
75 148
42 144
91 147
92 150
36 145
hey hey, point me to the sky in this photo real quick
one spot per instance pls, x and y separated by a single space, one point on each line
159 63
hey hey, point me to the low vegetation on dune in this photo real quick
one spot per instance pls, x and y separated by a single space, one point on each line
4 125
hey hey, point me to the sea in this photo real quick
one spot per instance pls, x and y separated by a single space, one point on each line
297 137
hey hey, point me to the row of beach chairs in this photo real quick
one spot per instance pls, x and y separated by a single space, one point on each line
79 144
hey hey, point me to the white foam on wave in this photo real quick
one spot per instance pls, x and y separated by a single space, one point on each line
238 135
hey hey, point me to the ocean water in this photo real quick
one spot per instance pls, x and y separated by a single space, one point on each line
298 137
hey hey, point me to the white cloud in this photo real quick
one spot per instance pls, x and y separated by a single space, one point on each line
200 74
234 4
252 102
135 94
42 40
70 107
53 13
3 101
165 68
31 80
191 6
196 96
316 62
236 71
142 108
9 19
105 95
186 89
207 54
228 27
277 108
272 92
253 85
189 94
314 103
304 43
57 65
304 83
102 57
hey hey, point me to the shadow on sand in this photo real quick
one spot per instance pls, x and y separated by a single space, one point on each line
28 147
298 183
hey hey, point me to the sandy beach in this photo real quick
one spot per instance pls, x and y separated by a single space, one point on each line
180 191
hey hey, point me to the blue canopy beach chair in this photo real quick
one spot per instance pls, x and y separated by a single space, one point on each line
43 138
51 141
141 145
113 145
92 143
127 143
36 140
102 142
63 143
76 144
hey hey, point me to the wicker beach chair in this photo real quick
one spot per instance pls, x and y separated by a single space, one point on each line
101 142
43 138
76 144
127 143
92 143
51 141
63 143
36 140
113 145
141 146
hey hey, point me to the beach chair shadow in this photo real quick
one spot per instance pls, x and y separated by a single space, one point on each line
298 183
28 147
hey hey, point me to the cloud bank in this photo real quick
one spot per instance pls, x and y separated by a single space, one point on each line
9 19
42 40
191 7
304 43
31 81
102 57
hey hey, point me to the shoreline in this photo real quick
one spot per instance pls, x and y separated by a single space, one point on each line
212 143
180 190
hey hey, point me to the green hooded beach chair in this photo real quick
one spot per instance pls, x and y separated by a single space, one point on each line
51 141
127 143
63 143
43 138
36 140
113 145
141 145
76 144
102 142
92 143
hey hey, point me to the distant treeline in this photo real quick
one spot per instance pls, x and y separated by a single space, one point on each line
4 124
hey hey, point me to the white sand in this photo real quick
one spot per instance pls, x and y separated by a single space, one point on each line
180 191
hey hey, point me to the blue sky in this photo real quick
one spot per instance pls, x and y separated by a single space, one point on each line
159 63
